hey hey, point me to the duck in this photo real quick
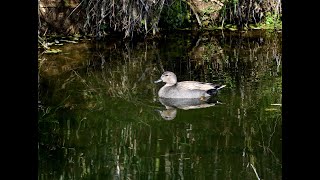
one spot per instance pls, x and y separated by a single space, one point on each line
185 89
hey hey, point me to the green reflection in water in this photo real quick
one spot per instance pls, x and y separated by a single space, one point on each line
99 114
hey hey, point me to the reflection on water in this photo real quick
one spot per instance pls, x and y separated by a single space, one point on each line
97 118
171 105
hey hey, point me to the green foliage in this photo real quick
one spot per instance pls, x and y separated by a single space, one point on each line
100 17
176 16
208 10
273 21
251 14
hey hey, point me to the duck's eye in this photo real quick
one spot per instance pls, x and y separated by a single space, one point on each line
166 75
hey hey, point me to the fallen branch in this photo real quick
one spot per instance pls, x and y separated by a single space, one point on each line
75 9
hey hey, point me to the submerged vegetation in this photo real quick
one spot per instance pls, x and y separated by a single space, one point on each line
98 18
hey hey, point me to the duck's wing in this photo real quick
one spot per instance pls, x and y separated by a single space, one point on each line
191 85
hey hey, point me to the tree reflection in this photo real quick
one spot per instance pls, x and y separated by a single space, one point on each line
97 118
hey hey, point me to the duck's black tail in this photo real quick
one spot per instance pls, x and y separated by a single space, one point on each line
215 90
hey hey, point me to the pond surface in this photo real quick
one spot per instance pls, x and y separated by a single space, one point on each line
100 117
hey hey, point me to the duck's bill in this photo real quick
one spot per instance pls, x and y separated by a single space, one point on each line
159 80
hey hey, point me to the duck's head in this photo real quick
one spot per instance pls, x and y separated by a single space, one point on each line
168 114
168 77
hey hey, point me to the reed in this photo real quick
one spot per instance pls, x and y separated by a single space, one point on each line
99 18
128 16
242 13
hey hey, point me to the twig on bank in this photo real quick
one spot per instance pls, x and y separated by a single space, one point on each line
75 9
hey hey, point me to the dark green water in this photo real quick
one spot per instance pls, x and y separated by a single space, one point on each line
100 118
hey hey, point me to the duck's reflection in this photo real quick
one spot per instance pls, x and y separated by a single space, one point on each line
172 105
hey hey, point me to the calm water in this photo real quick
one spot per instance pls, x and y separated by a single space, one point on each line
100 117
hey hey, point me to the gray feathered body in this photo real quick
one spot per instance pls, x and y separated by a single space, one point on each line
188 89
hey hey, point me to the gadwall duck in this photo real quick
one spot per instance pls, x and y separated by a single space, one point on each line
185 89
